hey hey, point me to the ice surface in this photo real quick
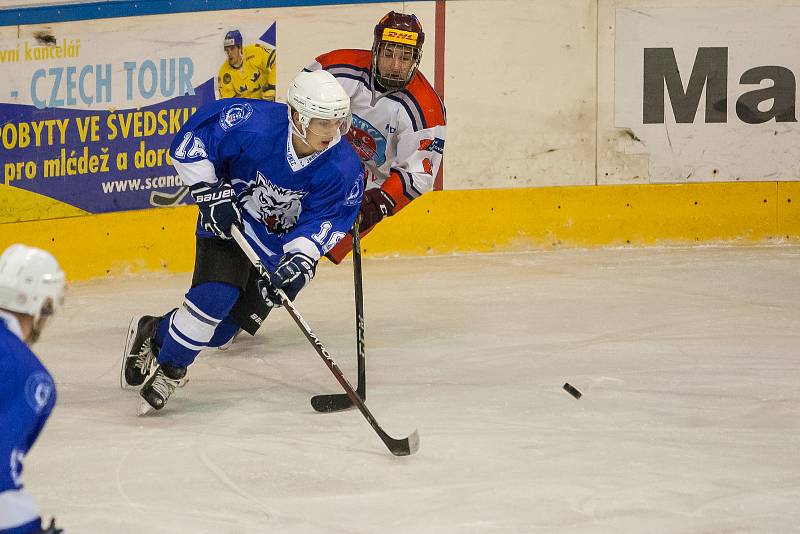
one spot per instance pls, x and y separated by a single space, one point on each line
689 421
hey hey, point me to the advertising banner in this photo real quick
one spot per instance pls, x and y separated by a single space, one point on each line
709 93
88 109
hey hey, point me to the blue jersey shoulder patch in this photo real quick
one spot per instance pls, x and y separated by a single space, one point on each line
234 114
356 192
39 389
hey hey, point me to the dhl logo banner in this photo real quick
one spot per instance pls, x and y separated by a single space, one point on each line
400 36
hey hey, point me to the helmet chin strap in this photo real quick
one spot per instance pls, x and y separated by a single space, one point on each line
376 94
31 327
301 134
38 322
33 337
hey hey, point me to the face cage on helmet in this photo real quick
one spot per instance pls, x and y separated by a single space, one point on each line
392 84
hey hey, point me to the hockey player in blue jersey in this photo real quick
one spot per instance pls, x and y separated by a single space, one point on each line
31 288
288 179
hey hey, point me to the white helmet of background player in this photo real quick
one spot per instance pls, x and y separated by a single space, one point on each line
317 95
31 283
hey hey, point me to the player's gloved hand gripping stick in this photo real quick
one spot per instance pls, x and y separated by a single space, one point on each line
219 208
376 205
398 447
294 272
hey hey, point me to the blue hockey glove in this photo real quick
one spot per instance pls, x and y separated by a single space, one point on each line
219 208
294 272
269 294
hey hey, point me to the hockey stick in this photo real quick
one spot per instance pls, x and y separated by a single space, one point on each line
159 198
398 447
336 402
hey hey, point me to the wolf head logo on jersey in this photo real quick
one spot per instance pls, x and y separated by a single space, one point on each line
234 114
279 208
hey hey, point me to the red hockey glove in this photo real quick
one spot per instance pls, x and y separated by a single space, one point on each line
376 205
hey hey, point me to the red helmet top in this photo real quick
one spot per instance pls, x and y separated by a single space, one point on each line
400 28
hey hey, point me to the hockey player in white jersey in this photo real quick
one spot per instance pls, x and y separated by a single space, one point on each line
284 176
399 121
31 289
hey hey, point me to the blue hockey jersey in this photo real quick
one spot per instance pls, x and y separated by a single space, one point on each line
290 204
27 396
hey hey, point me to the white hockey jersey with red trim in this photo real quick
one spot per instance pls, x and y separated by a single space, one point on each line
400 135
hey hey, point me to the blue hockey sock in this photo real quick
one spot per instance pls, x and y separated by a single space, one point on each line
191 328
224 332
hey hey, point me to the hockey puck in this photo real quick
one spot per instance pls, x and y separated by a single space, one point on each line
572 391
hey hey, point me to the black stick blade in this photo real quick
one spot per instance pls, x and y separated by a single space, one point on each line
335 402
338 402
403 447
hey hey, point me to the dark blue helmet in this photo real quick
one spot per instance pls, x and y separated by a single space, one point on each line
232 38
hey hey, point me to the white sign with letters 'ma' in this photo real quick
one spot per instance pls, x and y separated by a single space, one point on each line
710 92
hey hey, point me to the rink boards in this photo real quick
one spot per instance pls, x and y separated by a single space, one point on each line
450 222
604 160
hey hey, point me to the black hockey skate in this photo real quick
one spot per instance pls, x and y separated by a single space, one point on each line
162 384
140 351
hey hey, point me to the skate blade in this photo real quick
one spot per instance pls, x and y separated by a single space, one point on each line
144 408
131 331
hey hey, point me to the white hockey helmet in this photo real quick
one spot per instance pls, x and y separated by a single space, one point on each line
31 282
317 95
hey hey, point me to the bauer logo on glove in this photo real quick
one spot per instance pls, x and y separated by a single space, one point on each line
219 208
216 195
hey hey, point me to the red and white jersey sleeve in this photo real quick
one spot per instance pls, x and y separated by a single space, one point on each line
399 136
